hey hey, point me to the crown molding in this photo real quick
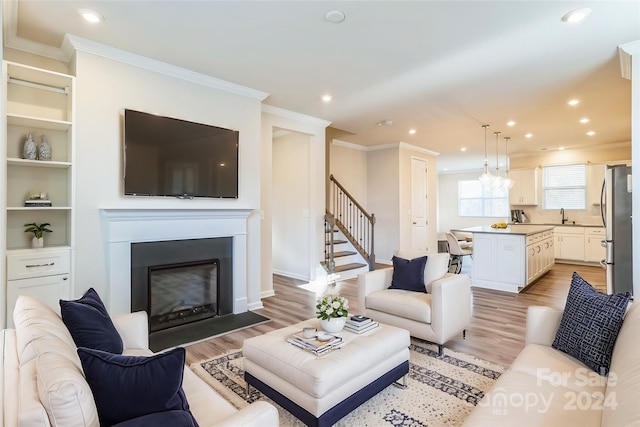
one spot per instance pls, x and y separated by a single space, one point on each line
288 114
349 145
623 144
79 44
625 52
405 146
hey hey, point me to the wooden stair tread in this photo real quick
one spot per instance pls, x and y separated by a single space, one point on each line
336 242
345 267
351 266
343 253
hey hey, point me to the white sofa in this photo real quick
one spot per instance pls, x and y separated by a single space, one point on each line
43 383
436 316
546 387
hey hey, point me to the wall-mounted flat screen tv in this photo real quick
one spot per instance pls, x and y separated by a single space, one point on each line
169 157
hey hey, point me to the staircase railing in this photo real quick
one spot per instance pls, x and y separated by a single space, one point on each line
357 225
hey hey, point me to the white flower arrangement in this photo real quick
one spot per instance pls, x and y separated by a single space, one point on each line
332 306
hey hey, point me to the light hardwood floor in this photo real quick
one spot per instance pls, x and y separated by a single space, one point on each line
496 332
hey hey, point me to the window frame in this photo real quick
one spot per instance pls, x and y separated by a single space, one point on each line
582 188
485 196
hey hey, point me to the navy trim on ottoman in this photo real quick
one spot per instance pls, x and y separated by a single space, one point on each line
334 414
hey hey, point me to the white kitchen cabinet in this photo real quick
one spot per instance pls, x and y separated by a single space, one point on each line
510 259
595 178
43 274
593 249
540 254
499 261
525 187
569 243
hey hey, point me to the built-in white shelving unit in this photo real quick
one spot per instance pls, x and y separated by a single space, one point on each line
40 102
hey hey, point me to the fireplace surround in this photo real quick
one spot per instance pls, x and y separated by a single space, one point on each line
179 282
124 227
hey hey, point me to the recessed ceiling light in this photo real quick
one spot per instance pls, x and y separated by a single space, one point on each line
327 98
576 15
412 131
511 123
385 123
573 102
91 15
584 120
463 149
445 169
528 135
560 148
591 133
334 16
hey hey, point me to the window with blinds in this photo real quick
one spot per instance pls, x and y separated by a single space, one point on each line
564 187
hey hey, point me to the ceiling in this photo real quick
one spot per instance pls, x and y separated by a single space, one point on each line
443 68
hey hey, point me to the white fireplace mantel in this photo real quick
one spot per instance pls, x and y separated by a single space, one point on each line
124 226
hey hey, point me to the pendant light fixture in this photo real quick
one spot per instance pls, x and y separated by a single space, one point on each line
508 182
497 182
486 178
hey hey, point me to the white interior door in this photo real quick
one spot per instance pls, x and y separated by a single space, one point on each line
419 211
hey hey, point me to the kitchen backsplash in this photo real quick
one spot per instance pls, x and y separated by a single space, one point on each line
536 215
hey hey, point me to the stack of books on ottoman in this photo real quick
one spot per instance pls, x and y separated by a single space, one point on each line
360 324
319 345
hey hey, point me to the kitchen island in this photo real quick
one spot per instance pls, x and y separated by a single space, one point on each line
509 259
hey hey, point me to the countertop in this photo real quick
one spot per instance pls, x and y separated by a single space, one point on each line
521 229
566 225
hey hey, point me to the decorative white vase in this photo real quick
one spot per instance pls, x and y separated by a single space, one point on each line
37 242
333 324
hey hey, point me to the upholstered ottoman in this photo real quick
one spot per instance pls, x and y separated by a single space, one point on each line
321 390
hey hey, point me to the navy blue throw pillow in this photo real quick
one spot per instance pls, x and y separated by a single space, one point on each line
128 387
408 274
89 323
161 419
590 324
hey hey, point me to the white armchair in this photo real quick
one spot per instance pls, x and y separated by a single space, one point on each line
436 316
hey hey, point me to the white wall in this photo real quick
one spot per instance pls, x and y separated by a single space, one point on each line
349 167
314 129
291 213
104 88
384 199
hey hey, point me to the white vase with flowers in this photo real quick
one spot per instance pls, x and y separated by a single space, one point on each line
332 311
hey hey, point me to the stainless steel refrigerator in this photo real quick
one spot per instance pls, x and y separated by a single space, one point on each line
615 207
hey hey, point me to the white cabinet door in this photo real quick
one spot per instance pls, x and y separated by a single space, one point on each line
569 243
49 289
572 247
525 187
593 249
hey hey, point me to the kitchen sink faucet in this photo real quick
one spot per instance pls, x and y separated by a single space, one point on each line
562 214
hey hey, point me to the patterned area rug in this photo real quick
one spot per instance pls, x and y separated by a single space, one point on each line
440 392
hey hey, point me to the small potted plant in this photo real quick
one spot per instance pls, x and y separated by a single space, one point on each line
332 312
37 230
